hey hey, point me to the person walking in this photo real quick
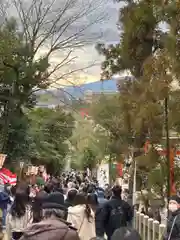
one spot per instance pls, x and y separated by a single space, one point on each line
82 217
92 200
37 206
126 233
114 214
71 194
173 223
20 214
53 226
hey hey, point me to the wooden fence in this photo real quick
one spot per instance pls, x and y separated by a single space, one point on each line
148 228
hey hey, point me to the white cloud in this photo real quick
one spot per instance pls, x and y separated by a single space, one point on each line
104 30
87 55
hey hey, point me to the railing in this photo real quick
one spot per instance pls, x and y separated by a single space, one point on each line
148 228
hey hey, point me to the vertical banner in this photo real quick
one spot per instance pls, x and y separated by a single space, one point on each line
103 174
147 146
172 184
119 168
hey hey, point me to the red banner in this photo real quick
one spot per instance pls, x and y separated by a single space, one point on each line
119 168
147 146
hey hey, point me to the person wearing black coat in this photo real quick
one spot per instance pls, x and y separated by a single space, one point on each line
173 223
126 233
37 206
113 214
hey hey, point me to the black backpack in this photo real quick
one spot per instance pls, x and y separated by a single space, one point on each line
117 217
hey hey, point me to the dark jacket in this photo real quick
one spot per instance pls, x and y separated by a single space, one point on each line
50 229
68 203
114 214
37 206
175 217
126 233
101 197
4 200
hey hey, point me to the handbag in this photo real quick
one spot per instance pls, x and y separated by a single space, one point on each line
16 235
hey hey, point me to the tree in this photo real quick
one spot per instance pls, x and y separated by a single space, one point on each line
17 80
17 142
110 113
48 132
140 38
28 42
90 142
150 55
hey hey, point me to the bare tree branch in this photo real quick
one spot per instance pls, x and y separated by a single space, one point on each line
58 27
61 77
44 22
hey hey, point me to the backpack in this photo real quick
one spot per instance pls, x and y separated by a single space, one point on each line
117 218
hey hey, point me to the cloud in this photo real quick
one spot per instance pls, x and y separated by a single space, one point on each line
102 13
87 55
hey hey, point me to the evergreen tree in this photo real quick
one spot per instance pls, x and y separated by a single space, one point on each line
151 56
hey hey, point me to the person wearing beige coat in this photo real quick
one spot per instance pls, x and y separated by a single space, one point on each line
82 217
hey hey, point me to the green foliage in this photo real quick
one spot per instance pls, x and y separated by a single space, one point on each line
17 143
19 75
90 143
88 158
152 58
137 43
108 113
27 42
48 132
148 161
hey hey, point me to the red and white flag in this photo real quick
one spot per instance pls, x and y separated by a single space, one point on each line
6 176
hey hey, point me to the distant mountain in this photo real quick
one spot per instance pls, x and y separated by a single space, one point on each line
95 87
57 96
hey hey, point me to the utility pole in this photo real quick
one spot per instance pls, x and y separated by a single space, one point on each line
134 184
167 148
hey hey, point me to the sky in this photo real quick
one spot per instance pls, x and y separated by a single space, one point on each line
87 57
89 54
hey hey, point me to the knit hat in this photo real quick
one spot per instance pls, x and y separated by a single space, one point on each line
175 198
54 200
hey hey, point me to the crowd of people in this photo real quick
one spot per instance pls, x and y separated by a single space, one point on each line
72 207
